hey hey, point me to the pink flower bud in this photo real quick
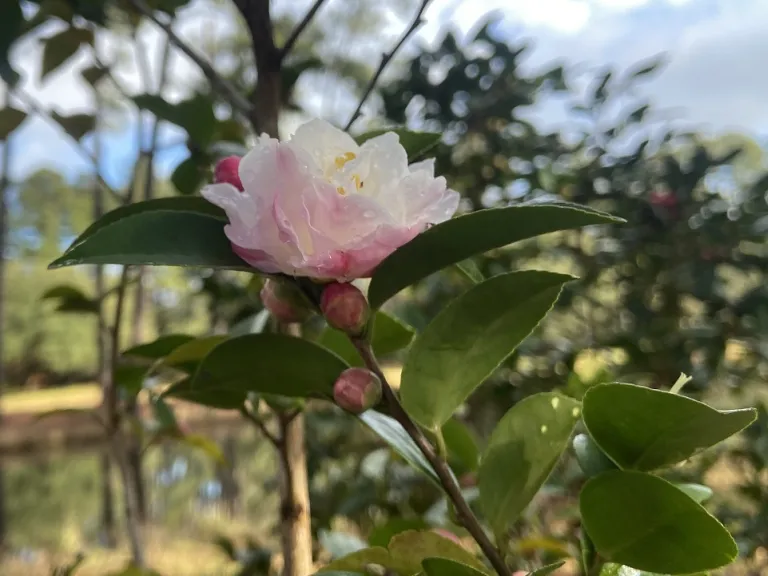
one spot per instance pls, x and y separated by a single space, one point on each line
345 308
284 302
226 172
356 390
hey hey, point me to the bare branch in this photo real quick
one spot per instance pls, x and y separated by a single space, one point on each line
417 21
35 107
286 49
224 88
249 415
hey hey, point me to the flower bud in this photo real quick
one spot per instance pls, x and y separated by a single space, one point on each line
226 172
356 390
345 308
284 302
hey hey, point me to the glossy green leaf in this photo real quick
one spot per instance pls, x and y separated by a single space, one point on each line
261 363
445 567
130 377
163 232
416 144
462 237
698 492
192 352
611 569
470 338
76 125
522 452
548 569
592 460
12 25
406 552
10 120
195 115
381 535
60 47
390 430
642 521
463 453
644 429
159 348
388 336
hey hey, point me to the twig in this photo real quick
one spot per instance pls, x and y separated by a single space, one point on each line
225 89
417 21
440 467
261 426
286 49
84 152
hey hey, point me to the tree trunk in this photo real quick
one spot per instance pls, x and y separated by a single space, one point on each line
295 527
4 182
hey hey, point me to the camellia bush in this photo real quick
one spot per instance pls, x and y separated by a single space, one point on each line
313 217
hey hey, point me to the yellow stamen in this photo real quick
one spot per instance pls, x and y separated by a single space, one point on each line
357 181
340 190
340 161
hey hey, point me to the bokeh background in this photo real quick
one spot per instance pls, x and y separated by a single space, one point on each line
654 110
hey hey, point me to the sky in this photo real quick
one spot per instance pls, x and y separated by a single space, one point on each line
715 80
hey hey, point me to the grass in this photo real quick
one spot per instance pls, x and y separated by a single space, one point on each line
76 396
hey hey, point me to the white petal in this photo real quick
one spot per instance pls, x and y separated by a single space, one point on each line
323 142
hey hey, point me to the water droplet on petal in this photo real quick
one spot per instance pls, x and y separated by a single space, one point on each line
369 214
555 402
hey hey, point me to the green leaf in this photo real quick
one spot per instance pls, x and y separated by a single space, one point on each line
469 269
390 430
163 414
463 452
76 125
592 460
160 347
445 567
406 552
188 175
416 144
642 521
548 569
61 47
470 338
698 492
381 535
263 363
610 569
460 238
195 115
388 336
162 232
10 120
522 452
130 377
71 299
646 429
358 561
192 352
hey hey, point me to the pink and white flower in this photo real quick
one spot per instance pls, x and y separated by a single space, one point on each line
319 205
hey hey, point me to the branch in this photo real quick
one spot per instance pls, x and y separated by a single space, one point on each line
452 489
225 89
285 50
276 442
84 152
417 21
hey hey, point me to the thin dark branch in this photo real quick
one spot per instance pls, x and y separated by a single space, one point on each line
447 480
286 49
261 426
122 90
35 107
220 84
385 59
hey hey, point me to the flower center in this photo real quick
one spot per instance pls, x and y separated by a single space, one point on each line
341 161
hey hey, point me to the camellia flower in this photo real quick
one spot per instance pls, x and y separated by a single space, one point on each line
321 206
